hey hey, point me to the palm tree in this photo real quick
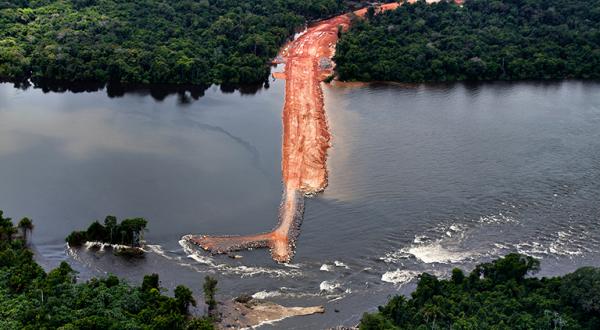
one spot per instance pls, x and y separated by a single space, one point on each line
25 225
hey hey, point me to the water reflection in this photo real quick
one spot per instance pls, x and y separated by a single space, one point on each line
202 167
422 178
159 92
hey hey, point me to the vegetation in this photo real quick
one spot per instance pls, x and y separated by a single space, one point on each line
25 225
483 40
129 232
33 299
9 232
210 289
149 41
496 295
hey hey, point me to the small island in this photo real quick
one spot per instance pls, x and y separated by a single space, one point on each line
126 237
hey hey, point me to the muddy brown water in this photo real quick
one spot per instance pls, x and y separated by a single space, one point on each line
421 178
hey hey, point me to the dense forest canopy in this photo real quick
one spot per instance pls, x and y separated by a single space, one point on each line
149 41
482 40
30 298
129 232
496 295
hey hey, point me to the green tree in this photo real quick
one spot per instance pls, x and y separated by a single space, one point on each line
133 230
200 324
76 238
26 226
32 299
495 295
150 282
96 232
210 289
149 41
184 298
110 223
480 40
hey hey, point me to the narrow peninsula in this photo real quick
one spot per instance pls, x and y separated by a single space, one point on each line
305 137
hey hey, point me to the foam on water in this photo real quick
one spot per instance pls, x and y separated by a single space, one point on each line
101 245
329 286
430 253
326 268
286 292
497 219
155 248
565 243
448 248
270 322
436 253
340 264
77 256
290 265
399 276
261 295
72 252
570 241
420 239
239 270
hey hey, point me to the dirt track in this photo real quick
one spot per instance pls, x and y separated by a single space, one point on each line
305 137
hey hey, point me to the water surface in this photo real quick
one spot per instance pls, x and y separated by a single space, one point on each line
422 178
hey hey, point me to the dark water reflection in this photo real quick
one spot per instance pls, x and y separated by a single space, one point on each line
422 178
79 156
159 92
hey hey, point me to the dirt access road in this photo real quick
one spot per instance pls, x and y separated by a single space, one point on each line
305 137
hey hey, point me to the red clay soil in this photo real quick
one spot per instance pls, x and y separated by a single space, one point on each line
305 136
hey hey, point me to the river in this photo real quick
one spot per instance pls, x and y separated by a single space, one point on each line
421 178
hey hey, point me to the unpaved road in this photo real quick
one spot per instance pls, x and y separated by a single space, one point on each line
305 136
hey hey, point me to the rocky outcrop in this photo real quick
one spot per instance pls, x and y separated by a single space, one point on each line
253 312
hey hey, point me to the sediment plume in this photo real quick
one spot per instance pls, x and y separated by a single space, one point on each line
305 136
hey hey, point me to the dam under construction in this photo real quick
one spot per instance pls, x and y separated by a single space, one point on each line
281 240
306 137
